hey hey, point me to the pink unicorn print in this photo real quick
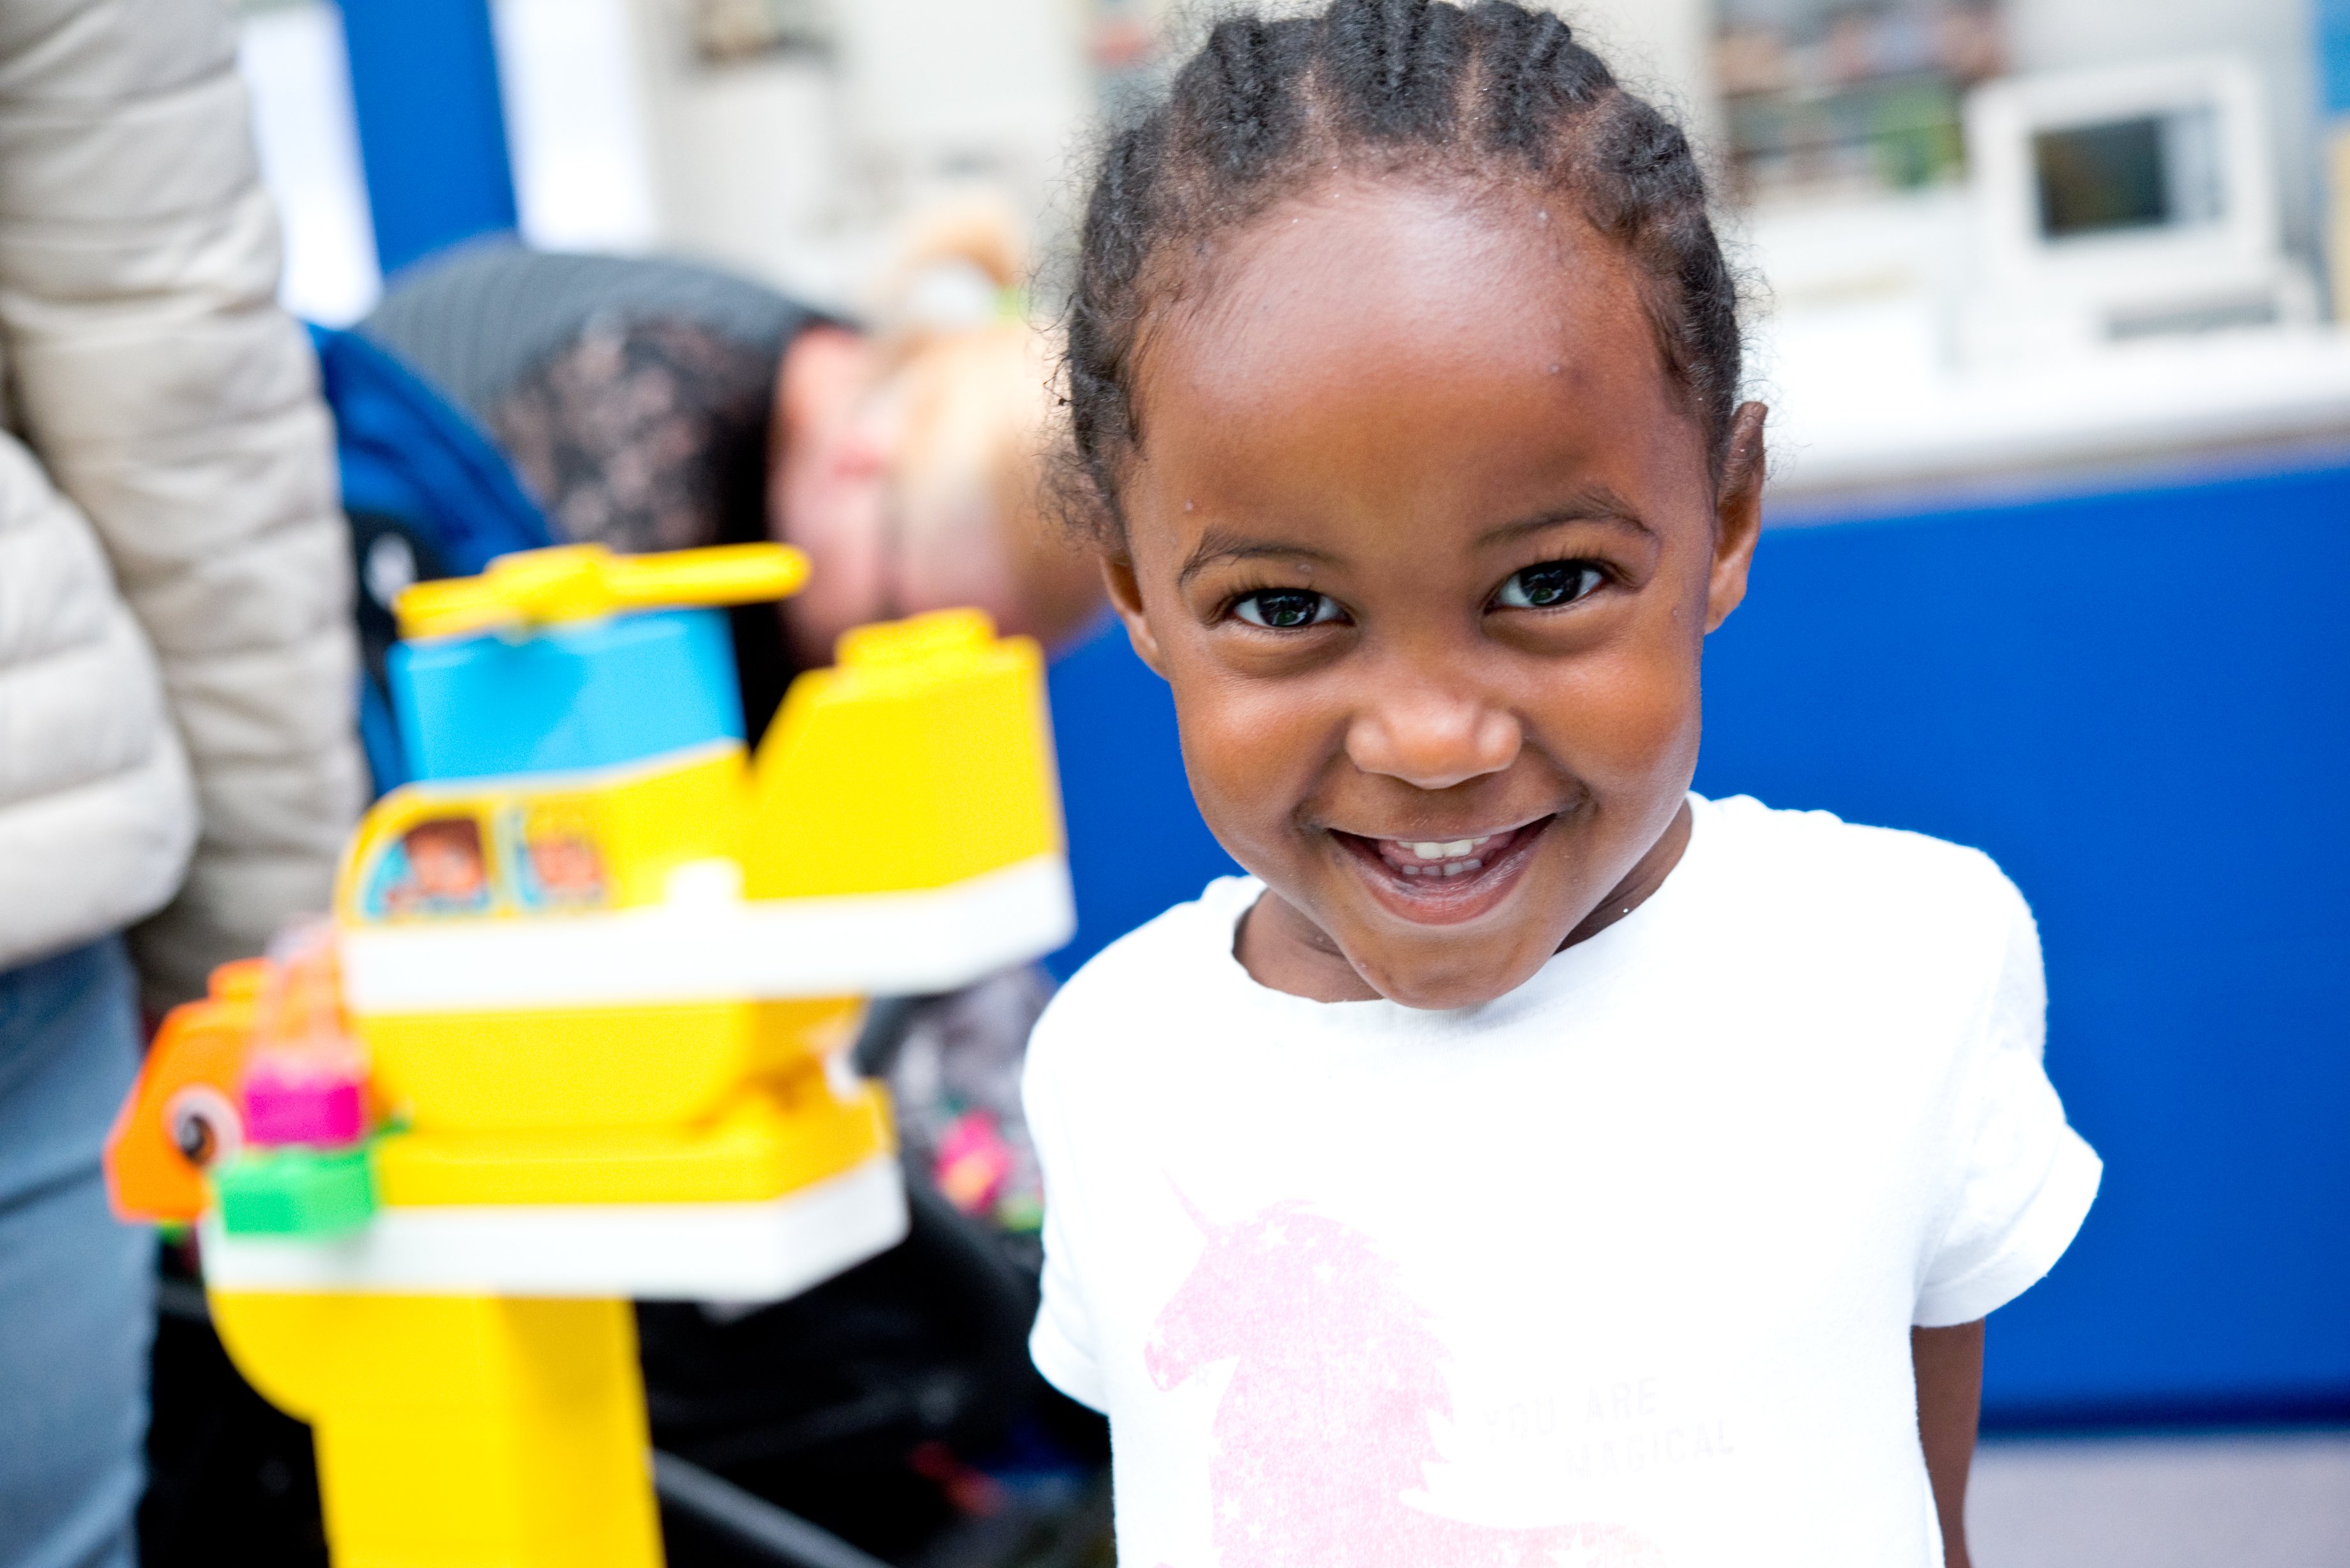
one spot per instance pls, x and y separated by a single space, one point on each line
1327 1422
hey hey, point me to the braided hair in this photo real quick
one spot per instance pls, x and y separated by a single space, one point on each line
1267 108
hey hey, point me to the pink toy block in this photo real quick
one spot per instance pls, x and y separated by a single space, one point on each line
973 1161
282 1110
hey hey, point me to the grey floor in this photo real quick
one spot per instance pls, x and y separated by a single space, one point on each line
2265 1501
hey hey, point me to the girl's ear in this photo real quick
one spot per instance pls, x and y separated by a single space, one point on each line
1737 515
1126 598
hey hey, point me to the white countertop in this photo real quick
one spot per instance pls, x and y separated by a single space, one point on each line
1855 406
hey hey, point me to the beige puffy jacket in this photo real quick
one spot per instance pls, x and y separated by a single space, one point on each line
176 662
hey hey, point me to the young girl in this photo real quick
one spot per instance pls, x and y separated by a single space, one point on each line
1530 1162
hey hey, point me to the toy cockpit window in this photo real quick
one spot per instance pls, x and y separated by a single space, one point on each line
558 863
437 866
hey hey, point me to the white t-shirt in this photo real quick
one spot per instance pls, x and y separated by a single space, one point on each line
1618 1268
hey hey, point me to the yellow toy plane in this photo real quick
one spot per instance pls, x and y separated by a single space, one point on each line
578 1032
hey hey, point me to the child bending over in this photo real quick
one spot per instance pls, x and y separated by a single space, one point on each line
1530 1162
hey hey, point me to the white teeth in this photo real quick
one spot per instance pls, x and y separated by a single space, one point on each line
1439 858
1443 849
1446 869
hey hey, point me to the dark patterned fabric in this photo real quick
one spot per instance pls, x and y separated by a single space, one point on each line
645 434
475 320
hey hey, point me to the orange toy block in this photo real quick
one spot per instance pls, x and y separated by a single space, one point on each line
182 1115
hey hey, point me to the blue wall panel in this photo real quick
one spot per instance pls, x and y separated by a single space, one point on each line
432 134
2139 703
1136 842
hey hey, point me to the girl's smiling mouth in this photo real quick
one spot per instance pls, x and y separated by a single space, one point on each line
1442 880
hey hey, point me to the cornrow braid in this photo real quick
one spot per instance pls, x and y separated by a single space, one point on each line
1267 107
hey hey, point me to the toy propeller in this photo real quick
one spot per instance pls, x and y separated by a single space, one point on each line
585 582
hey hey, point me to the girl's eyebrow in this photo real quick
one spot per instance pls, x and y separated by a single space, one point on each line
1217 546
1598 505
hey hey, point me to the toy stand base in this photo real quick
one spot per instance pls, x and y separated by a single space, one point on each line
462 1432
471 1371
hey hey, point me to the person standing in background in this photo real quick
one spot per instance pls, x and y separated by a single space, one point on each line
177 675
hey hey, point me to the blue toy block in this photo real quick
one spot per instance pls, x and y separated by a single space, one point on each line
585 695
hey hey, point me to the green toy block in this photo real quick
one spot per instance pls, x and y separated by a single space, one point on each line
313 1192
1020 1215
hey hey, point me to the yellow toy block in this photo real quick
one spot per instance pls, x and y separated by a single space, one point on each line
545 843
777 1140
462 1432
669 1063
923 758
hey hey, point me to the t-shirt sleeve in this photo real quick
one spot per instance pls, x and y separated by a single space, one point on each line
2025 1179
1061 1342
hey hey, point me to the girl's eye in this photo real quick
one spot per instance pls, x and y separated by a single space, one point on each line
1550 585
1285 609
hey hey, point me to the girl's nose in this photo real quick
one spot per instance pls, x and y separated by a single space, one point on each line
1433 740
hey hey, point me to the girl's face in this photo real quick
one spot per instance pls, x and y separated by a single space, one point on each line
1427 547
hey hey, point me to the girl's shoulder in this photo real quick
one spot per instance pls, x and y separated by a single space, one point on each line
1180 958
1814 878
1821 852
1186 945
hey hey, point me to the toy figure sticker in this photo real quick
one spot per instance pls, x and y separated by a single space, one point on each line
558 861
438 867
547 854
